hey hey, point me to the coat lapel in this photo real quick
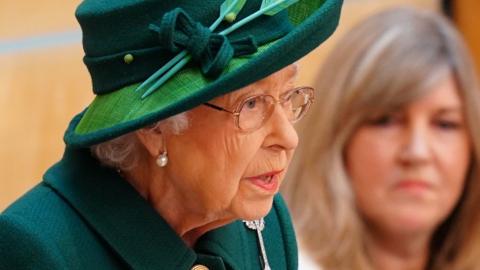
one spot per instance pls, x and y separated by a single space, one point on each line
118 213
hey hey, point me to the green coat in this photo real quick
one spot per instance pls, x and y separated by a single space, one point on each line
84 216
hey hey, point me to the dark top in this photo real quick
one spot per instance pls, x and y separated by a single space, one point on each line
85 216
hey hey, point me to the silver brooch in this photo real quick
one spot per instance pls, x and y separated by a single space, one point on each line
258 225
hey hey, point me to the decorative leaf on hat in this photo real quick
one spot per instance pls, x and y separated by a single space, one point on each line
272 7
228 8
268 7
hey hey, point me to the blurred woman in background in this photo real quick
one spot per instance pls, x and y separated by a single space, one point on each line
386 175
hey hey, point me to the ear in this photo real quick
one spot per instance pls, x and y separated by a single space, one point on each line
152 139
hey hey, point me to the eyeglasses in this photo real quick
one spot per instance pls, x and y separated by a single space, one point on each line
254 111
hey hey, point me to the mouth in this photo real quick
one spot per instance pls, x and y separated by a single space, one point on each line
267 181
414 185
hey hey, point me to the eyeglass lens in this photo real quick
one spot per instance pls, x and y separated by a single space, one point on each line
256 110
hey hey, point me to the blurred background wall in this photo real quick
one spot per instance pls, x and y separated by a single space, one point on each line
43 81
42 85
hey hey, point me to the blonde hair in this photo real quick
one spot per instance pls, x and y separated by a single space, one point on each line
382 64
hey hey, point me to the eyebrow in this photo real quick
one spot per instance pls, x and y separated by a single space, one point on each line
234 101
450 109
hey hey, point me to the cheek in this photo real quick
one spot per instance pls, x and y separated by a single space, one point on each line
239 151
453 168
219 148
369 159
458 162
209 167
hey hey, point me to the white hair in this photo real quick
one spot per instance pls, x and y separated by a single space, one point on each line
123 152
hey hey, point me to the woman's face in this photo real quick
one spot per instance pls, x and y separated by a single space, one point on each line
222 172
408 168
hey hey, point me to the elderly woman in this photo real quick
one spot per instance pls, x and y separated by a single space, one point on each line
176 163
387 177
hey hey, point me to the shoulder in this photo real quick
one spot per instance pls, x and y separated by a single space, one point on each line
42 231
22 246
41 208
28 229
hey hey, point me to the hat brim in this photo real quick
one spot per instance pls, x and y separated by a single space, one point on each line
123 111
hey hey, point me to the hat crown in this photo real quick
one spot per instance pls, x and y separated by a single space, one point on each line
114 29
112 26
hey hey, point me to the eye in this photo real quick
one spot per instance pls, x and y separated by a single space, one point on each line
255 104
250 104
384 120
447 124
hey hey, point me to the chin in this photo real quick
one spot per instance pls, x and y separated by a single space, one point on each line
415 223
255 210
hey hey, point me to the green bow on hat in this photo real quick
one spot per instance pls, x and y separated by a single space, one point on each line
212 51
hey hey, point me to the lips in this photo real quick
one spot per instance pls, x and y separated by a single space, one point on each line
414 185
267 181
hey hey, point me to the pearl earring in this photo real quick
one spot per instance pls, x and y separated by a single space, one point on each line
162 159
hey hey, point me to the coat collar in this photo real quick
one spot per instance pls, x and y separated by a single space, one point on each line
131 227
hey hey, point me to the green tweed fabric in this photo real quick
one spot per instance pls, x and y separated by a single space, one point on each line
118 112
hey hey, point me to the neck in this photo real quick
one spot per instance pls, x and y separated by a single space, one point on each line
188 221
398 252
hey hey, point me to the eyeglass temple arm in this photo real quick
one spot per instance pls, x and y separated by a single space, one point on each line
216 107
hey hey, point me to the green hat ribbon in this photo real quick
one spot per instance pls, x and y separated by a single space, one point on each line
212 51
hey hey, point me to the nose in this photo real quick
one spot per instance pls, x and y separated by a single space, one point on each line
281 133
416 147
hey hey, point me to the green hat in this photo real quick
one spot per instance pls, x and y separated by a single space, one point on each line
208 48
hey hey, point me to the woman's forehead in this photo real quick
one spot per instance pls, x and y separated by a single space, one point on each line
282 78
